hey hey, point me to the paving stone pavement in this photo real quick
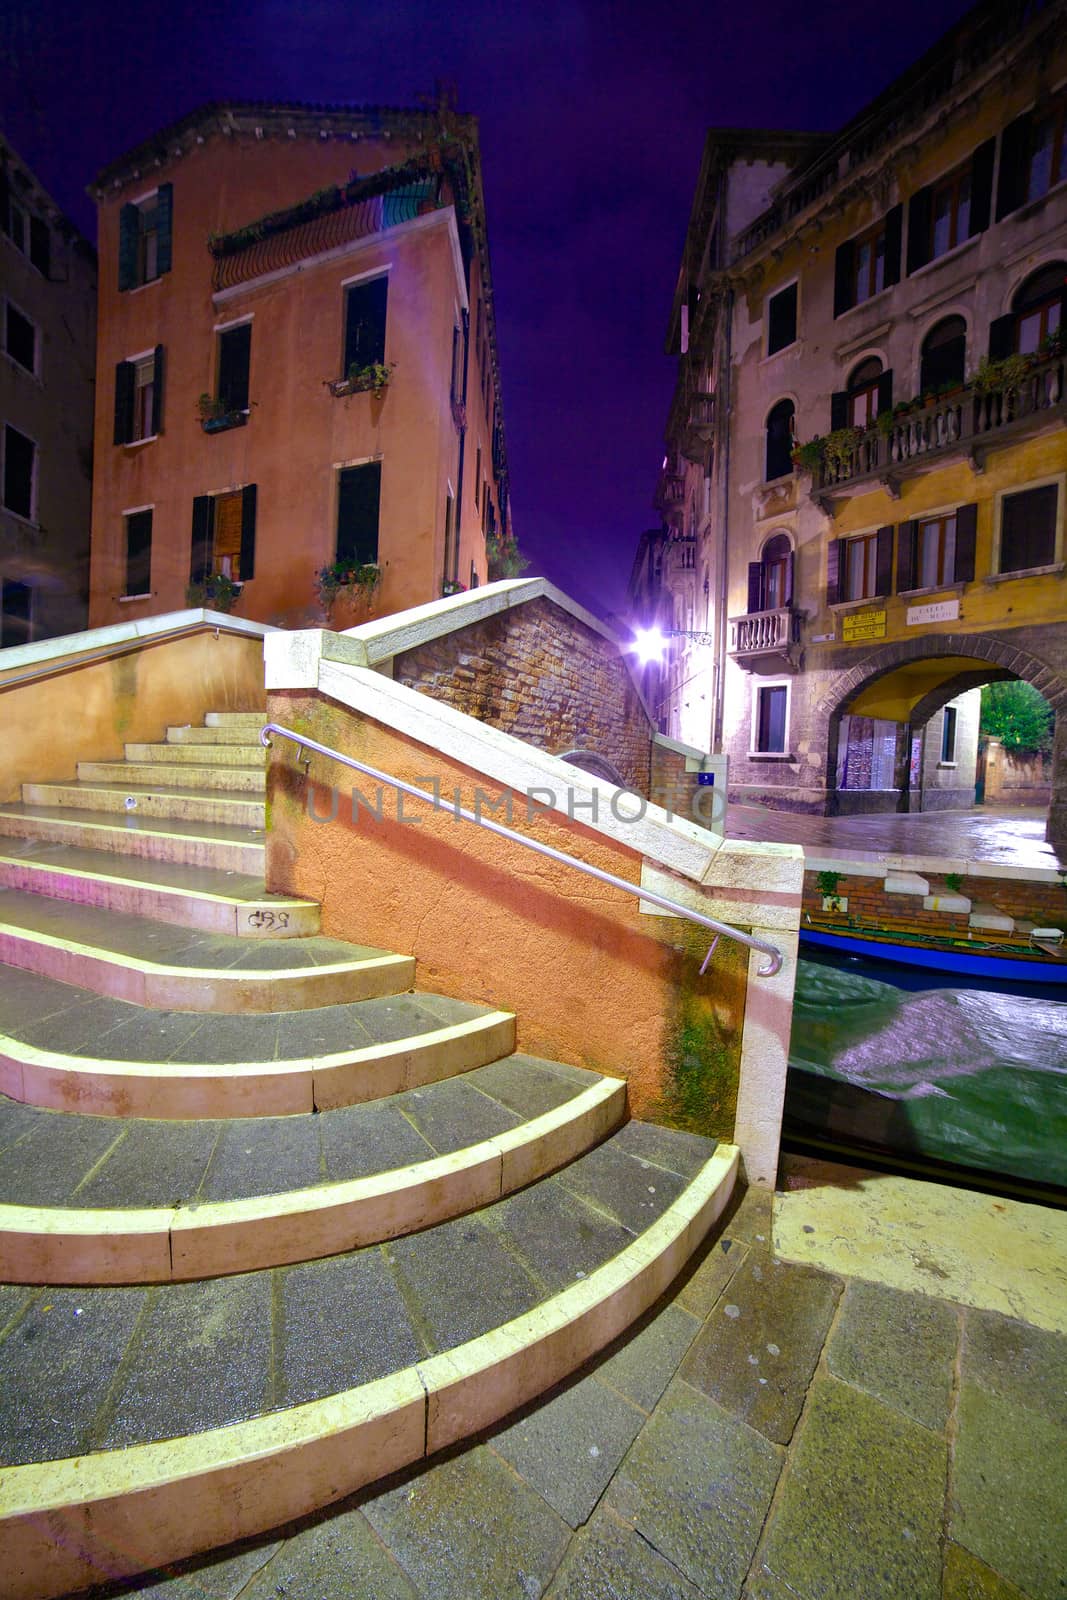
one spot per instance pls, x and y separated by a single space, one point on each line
770 1432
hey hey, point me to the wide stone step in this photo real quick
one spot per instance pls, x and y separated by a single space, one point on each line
227 734
192 1415
183 805
193 897
193 844
67 1048
990 919
132 776
168 967
213 755
236 719
86 1200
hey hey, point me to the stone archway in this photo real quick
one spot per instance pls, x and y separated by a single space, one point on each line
1006 657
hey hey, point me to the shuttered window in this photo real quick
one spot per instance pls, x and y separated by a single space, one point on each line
139 398
1028 528
782 319
365 308
145 238
358 499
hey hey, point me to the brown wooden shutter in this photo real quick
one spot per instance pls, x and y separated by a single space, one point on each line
835 569
838 410
982 186
164 227
157 390
1014 165
248 532
755 586
203 528
885 390
919 216
883 562
894 226
907 555
125 378
790 562
1002 337
966 542
844 272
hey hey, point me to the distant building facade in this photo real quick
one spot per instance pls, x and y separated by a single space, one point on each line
296 364
47 336
874 322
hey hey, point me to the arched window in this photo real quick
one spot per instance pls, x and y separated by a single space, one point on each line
870 390
775 575
1038 308
779 448
944 355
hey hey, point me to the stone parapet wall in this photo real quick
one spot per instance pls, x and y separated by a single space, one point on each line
869 906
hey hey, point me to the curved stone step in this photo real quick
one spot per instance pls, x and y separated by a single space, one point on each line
86 1201
132 776
191 897
193 844
71 1050
169 967
322 1377
141 799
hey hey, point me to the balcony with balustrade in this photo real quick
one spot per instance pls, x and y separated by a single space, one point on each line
766 641
976 418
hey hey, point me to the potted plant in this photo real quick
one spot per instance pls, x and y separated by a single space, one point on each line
218 592
505 558
347 584
214 417
809 455
998 377
358 380
452 586
839 447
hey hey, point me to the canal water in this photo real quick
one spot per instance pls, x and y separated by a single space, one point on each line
920 1065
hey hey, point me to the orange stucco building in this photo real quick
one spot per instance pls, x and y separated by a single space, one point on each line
296 363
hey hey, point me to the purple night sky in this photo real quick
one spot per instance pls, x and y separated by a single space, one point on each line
592 121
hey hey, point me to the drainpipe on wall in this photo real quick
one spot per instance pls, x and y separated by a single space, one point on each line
720 665
457 540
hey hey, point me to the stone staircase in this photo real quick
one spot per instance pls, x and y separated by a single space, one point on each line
273 1223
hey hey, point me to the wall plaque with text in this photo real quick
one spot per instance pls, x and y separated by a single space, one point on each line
936 611
862 625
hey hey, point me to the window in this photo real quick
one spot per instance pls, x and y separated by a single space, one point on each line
365 308
145 238
477 476
781 425
234 361
1032 157
866 265
20 461
138 551
1038 308
948 736
770 580
937 551
358 500
20 338
944 356
782 319
863 393
956 207
16 614
1028 528
451 566
27 233
139 397
860 566
771 719
224 535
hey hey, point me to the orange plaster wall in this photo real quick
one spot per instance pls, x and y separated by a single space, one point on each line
89 713
298 434
592 981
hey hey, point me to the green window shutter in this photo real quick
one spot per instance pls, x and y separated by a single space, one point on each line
164 227
358 502
248 532
1014 165
157 390
966 542
982 186
919 220
129 235
1002 337
838 410
835 570
365 310
894 227
124 390
203 533
883 561
844 271
885 391
235 356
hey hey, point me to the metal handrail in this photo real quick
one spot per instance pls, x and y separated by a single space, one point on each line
720 929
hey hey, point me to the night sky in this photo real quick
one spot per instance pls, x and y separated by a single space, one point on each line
592 123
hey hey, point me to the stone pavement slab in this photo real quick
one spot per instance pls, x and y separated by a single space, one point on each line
569 1448
607 1561
469 1528
966 1578
646 1362
706 1278
338 1558
1007 1493
899 1347
758 1349
860 1509
697 1485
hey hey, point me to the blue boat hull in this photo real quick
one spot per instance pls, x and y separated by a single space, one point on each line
1006 969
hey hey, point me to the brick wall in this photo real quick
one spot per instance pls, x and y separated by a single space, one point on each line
537 672
1044 904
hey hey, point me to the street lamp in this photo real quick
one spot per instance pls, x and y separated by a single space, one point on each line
650 644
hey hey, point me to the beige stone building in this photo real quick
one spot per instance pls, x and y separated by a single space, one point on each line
867 451
47 338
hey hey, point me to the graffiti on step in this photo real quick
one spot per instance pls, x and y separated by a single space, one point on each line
268 920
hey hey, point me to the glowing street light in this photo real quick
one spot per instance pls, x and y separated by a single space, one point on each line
650 644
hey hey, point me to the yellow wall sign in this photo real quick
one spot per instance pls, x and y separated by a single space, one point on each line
863 625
